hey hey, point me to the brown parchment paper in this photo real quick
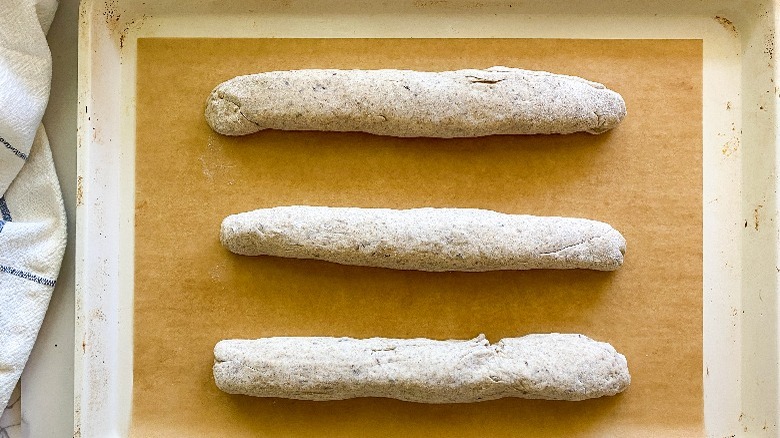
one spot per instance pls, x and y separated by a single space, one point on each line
644 178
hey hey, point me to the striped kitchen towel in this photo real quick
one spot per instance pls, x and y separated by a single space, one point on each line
32 216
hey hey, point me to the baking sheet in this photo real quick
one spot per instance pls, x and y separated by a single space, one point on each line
644 178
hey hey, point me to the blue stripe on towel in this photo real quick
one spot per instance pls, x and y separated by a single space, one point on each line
2 224
4 211
10 147
27 276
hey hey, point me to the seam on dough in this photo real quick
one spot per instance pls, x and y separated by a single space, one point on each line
588 240
247 118
245 365
478 80
222 95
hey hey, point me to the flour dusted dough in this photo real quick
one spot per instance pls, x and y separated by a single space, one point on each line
406 103
425 239
543 366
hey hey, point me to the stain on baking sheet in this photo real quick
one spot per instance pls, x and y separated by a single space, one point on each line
80 190
644 178
756 215
727 24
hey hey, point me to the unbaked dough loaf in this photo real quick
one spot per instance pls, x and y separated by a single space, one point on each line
544 366
406 103
425 239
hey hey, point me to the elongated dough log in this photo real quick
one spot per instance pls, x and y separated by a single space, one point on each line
406 103
544 366
425 239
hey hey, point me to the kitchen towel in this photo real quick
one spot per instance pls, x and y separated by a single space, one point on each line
32 216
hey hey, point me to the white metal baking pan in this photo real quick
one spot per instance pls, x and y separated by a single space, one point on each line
740 162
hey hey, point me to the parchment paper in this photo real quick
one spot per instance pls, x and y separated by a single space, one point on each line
644 178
